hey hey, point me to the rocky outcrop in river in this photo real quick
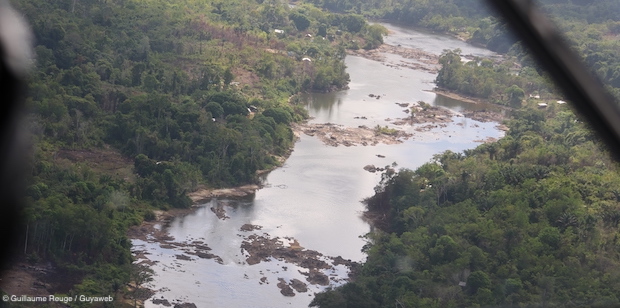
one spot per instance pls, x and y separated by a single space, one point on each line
262 248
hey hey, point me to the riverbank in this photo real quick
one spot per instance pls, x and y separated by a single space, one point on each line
155 228
498 113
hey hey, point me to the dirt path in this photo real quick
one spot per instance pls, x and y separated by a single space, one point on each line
105 161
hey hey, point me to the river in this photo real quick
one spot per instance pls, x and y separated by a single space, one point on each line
315 197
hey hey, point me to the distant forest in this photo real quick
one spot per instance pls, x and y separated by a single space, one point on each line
592 27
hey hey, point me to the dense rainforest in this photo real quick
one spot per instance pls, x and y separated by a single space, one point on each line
531 220
136 103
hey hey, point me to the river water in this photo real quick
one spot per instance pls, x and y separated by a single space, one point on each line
315 197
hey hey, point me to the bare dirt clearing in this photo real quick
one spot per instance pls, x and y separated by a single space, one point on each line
108 162
25 279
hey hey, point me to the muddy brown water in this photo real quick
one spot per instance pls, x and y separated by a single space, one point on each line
315 197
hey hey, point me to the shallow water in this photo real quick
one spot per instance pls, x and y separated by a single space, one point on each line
315 197
430 42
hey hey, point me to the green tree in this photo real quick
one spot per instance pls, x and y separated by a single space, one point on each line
354 23
140 274
215 109
302 22
375 33
515 95
280 115
478 280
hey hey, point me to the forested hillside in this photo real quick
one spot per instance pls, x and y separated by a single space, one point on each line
136 103
532 220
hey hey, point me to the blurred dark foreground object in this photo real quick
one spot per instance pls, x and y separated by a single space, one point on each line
15 62
584 90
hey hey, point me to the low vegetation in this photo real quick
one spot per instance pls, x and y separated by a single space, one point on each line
385 130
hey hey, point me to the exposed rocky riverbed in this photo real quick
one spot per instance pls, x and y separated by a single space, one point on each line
335 135
255 248
421 116
263 248
204 193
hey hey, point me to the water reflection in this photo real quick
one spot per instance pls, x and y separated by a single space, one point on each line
323 103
